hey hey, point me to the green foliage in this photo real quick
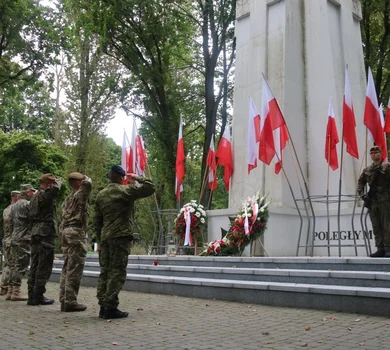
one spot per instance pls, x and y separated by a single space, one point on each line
23 158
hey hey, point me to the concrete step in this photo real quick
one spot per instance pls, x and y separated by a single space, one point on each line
326 277
302 263
362 300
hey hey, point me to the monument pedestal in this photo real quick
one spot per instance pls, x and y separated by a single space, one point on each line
302 47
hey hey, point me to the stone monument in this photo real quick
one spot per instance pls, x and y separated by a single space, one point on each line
302 46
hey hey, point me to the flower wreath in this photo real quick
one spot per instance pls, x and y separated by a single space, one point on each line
249 224
189 222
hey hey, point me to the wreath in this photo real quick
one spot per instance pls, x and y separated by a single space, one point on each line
249 224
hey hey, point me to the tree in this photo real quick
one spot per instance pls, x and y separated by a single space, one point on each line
376 38
28 40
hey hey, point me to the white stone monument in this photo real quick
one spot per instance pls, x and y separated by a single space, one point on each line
302 47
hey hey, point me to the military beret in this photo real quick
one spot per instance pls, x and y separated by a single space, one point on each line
47 178
375 149
26 187
75 176
118 169
15 193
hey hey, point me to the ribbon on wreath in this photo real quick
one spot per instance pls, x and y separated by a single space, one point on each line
187 218
246 223
255 211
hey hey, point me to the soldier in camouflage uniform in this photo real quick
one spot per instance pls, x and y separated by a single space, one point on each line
20 240
377 176
43 234
114 228
7 232
75 212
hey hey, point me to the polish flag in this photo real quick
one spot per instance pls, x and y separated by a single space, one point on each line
271 119
253 135
141 155
225 156
212 164
332 139
281 138
132 155
372 119
384 150
349 123
387 121
180 158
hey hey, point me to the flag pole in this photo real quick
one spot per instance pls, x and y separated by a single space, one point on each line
298 163
327 196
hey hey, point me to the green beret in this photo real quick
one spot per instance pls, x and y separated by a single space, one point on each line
15 193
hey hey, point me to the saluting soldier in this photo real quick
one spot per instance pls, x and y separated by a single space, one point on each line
114 230
20 241
43 234
7 232
75 213
377 176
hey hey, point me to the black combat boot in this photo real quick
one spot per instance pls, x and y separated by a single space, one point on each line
40 301
114 313
380 253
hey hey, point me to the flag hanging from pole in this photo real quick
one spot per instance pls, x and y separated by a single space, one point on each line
387 121
180 158
253 135
372 119
225 156
212 164
349 123
125 154
332 139
271 118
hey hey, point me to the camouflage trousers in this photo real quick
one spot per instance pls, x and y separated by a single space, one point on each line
74 249
42 256
20 255
113 259
380 219
7 267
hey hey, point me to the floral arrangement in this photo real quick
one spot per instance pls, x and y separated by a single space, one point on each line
193 214
249 224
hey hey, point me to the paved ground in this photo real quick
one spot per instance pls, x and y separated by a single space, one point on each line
167 322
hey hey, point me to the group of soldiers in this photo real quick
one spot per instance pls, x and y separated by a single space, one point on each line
30 230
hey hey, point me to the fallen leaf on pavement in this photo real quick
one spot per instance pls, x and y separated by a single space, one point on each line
304 345
308 328
265 333
357 320
114 343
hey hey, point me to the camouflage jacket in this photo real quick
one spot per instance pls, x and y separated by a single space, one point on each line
382 181
114 208
75 208
7 224
21 221
44 212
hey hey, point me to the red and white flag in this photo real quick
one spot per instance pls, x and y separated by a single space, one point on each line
180 158
349 123
225 156
281 138
384 150
387 121
332 139
253 135
132 155
372 119
271 119
212 164
125 154
141 155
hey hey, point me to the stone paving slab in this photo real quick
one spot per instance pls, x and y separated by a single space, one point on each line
168 322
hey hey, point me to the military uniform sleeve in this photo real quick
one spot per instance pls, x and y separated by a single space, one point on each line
51 192
98 221
85 190
362 181
144 189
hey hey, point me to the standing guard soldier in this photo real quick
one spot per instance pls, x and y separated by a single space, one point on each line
20 241
75 213
43 234
7 232
377 176
114 231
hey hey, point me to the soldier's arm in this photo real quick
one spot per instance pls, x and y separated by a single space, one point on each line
98 222
51 192
85 189
362 181
144 189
